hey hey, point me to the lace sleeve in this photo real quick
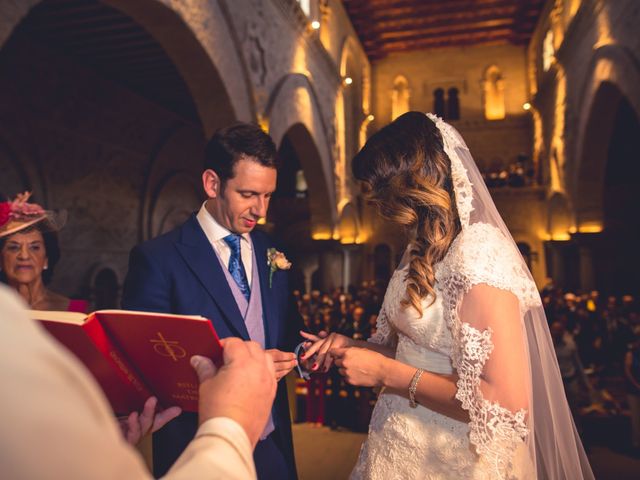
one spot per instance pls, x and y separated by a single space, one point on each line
485 298
385 334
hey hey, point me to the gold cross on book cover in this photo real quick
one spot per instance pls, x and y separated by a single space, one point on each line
134 355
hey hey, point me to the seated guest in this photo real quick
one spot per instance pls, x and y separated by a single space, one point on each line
56 423
29 252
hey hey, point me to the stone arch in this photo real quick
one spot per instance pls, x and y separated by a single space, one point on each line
175 197
191 38
348 110
348 53
364 130
366 88
349 225
105 287
294 110
172 193
613 75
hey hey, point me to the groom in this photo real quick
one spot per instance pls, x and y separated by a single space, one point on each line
216 265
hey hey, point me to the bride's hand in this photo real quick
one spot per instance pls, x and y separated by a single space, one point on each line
360 366
320 348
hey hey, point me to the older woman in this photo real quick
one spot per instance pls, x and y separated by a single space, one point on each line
29 252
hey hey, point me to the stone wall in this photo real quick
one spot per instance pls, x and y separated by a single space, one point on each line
92 147
593 67
495 144
126 168
460 67
595 43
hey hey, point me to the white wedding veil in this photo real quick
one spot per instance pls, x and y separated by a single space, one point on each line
545 426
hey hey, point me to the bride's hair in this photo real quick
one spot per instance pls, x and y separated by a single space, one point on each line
406 174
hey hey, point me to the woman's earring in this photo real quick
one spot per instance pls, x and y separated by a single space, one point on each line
45 267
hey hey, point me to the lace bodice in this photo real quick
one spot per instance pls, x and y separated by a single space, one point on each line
440 342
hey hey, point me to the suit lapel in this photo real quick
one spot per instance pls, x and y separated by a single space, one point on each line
199 255
269 304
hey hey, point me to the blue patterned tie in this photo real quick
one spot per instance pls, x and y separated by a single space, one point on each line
236 268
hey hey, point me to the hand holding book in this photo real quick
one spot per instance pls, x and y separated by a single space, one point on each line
137 425
242 389
136 355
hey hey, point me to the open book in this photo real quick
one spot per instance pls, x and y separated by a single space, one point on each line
134 355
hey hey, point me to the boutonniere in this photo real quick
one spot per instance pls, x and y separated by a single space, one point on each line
276 261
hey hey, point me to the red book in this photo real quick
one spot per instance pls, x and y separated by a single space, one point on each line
134 355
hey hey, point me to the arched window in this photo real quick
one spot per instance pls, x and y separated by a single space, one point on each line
286 185
305 5
548 51
453 104
399 97
301 184
438 102
493 94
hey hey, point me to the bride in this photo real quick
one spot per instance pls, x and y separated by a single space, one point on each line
470 384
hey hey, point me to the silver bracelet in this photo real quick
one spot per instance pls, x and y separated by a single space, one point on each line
413 386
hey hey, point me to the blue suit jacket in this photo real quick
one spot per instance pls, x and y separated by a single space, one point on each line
179 272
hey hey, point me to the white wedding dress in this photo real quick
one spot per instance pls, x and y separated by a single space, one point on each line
538 441
418 443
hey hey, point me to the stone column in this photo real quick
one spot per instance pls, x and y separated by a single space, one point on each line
556 263
331 270
308 263
352 264
346 267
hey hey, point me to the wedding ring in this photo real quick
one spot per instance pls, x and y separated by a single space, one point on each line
299 350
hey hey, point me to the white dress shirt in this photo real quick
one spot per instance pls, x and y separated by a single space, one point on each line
215 234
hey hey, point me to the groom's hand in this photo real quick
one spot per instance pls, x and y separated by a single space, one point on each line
283 361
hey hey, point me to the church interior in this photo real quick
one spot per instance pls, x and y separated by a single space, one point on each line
106 106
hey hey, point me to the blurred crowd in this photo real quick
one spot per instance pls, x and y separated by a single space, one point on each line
601 327
597 342
514 175
326 399
596 338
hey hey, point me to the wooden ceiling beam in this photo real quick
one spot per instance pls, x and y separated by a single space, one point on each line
427 44
384 26
380 19
380 9
479 31
487 22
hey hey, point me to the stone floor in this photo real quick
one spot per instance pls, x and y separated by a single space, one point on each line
323 454
329 455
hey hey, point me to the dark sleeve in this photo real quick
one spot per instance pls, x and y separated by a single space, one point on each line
145 287
294 323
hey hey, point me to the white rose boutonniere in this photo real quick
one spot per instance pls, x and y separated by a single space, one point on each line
276 261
